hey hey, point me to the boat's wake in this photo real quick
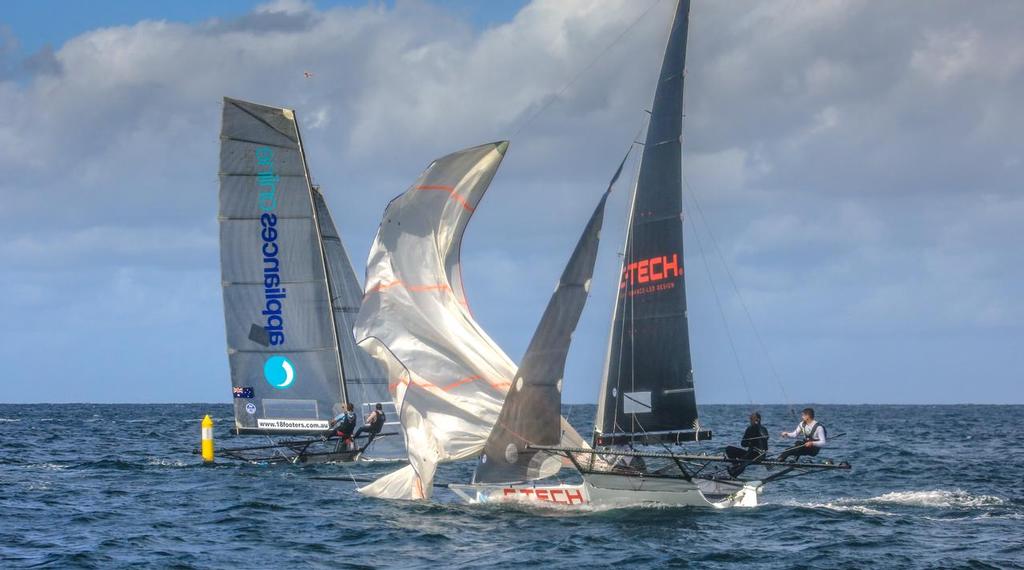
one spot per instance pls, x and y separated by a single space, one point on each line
957 499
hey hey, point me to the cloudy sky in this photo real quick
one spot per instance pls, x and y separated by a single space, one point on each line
859 167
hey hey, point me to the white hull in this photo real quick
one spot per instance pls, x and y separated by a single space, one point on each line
608 490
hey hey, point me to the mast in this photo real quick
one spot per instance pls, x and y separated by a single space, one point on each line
365 382
323 259
647 391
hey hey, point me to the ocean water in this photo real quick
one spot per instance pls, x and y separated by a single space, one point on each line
109 486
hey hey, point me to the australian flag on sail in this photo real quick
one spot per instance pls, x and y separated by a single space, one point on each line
243 392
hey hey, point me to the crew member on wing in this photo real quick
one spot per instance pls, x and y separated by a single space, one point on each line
373 424
755 440
344 424
811 433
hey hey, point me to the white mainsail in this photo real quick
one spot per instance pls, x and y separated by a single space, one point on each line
448 378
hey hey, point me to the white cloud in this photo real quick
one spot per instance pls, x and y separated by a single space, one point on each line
859 161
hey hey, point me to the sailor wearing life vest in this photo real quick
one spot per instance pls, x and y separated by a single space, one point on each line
344 424
810 432
374 423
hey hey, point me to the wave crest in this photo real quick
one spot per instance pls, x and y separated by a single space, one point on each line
939 498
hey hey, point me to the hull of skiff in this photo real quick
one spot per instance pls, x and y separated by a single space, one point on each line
601 491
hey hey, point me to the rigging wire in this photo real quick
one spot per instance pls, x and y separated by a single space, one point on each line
739 296
579 74
721 311
732 281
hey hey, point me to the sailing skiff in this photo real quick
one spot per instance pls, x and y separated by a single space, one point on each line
460 397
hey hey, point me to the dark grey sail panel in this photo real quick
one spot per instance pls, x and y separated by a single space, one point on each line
282 345
365 382
647 391
531 413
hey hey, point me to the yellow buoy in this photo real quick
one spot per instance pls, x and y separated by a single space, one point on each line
207 443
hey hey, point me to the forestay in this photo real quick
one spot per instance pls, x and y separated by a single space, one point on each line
447 376
647 390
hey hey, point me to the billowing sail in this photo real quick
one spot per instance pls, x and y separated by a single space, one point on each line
447 376
532 407
282 338
647 390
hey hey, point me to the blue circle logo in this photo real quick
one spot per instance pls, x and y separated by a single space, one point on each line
279 372
250 408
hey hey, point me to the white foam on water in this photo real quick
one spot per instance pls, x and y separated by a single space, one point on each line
841 506
9 420
47 466
935 498
938 498
382 460
167 463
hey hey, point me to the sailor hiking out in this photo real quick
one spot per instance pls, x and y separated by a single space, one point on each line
754 446
812 437
373 425
343 426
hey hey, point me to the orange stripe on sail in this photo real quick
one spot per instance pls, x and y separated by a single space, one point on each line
450 190
383 286
420 288
460 382
447 387
414 289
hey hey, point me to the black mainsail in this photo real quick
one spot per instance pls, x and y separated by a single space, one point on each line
290 293
647 391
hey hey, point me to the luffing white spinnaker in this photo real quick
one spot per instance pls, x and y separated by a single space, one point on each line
448 378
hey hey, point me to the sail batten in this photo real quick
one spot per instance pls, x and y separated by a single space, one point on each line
647 388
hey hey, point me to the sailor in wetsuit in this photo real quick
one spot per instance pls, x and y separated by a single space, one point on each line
374 423
342 428
754 446
810 432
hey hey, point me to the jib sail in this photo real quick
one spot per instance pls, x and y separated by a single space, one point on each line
647 390
532 409
282 335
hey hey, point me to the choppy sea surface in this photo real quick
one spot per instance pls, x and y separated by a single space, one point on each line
107 486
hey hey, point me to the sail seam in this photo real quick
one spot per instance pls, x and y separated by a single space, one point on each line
269 351
248 141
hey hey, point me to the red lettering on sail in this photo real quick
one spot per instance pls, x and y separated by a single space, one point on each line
650 270
641 271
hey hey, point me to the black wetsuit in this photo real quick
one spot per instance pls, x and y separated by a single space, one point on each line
755 442
373 428
342 429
